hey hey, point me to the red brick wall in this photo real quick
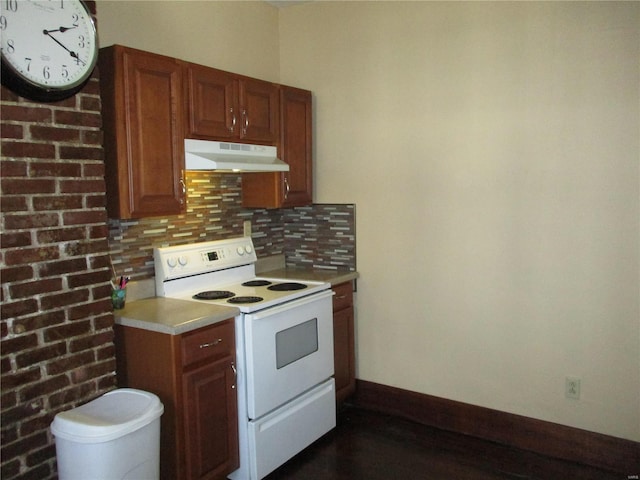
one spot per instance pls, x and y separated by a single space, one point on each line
56 316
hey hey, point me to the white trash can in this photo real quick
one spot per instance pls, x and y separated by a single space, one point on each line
114 437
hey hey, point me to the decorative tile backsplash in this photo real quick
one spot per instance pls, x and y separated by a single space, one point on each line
322 236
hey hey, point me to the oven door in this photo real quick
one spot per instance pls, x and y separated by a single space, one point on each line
289 350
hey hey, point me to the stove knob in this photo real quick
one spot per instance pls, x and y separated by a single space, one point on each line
182 260
240 251
248 249
171 261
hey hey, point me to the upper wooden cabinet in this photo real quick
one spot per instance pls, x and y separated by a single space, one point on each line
295 187
225 106
151 103
143 117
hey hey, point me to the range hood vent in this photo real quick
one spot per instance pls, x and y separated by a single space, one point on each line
231 157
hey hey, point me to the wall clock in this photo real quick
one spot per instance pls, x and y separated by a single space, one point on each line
49 48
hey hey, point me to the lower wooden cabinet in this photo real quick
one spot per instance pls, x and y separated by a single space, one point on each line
194 376
344 341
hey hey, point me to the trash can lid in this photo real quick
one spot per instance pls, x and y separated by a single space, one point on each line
110 416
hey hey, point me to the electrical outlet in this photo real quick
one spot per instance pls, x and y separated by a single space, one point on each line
247 228
572 388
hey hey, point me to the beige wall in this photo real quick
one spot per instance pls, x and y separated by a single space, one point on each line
237 36
492 151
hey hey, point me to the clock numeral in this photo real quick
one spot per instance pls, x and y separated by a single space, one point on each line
48 46
11 5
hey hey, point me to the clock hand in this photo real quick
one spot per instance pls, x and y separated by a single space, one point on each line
73 54
62 29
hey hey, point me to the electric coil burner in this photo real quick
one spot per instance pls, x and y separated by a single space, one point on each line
256 283
246 299
287 287
284 347
213 295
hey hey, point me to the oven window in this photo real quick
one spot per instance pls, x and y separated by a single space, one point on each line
296 342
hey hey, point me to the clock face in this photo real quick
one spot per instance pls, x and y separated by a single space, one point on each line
51 46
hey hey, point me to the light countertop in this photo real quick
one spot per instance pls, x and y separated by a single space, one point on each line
171 316
334 277
174 317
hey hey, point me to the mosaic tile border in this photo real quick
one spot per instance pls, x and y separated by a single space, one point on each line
322 236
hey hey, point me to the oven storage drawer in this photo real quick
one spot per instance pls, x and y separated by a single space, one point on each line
208 343
283 433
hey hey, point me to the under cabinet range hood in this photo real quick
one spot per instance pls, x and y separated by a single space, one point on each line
231 157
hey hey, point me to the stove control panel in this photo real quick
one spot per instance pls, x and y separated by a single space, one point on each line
183 260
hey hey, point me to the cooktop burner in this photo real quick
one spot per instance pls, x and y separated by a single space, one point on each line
245 299
256 283
222 272
213 295
287 286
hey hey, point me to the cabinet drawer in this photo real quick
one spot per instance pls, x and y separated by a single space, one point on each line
343 297
208 343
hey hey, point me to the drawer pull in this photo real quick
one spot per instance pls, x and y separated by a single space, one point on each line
341 297
212 344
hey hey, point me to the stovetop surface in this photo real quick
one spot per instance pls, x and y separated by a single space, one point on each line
224 265
267 297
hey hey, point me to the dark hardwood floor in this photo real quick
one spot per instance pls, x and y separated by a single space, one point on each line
372 446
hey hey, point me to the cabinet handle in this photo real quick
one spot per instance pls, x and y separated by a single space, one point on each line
211 344
246 121
235 374
233 120
341 297
287 188
183 187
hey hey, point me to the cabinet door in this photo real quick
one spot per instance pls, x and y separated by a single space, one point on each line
292 188
212 103
344 355
210 418
295 146
259 102
144 137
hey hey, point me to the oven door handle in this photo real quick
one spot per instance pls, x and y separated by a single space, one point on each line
267 312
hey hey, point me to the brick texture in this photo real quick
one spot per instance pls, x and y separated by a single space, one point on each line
56 319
